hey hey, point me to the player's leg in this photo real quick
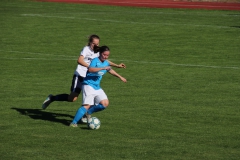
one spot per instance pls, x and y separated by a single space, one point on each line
79 114
72 97
88 99
59 97
101 102
76 88
75 91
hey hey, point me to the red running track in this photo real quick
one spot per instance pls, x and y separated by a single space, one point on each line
157 4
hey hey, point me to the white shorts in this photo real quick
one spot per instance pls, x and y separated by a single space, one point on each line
92 96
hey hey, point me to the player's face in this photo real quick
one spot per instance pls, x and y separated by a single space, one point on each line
95 42
104 56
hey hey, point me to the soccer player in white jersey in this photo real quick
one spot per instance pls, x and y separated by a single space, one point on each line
88 53
94 98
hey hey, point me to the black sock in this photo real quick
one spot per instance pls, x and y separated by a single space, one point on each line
60 97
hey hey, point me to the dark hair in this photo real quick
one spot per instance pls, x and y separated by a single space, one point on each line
91 37
103 49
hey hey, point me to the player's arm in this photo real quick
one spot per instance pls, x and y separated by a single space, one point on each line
114 73
121 65
92 69
81 61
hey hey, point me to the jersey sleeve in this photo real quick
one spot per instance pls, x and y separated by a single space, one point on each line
93 63
83 52
108 63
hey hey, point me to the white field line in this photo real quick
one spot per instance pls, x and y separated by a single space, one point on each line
40 54
114 21
69 58
186 65
47 59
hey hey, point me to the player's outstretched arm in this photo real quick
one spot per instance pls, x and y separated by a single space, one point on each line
121 65
114 73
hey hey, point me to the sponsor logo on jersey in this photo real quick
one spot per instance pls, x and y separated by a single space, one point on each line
101 73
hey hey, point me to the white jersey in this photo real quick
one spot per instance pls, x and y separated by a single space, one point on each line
88 55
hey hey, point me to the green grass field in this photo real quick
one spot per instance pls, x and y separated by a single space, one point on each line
181 101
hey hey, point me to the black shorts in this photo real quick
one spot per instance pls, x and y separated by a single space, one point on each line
76 84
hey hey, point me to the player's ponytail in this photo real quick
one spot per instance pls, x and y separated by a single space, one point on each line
96 49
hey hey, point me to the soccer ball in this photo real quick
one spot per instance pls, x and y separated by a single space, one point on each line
94 123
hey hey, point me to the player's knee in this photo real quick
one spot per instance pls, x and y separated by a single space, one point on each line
72 99
86 106
105 103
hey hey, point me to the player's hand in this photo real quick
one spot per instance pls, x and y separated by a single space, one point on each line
121 65
108 68
123 79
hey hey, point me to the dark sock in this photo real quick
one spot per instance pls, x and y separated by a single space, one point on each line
60 97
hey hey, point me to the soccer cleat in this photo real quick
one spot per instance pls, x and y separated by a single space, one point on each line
73 125
84 119
47 102
88 117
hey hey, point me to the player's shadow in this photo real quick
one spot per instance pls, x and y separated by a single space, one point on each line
235 26
47 116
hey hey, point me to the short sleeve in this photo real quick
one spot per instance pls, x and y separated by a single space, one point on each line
93 63
84 52
108 63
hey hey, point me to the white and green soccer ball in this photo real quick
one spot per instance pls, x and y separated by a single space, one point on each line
94 123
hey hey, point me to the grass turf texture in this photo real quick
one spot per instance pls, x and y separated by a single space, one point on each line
182 96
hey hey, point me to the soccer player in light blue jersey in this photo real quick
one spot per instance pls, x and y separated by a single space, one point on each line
89 52
94 98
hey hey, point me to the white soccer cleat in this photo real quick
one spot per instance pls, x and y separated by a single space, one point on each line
74 125
85 118
47 102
